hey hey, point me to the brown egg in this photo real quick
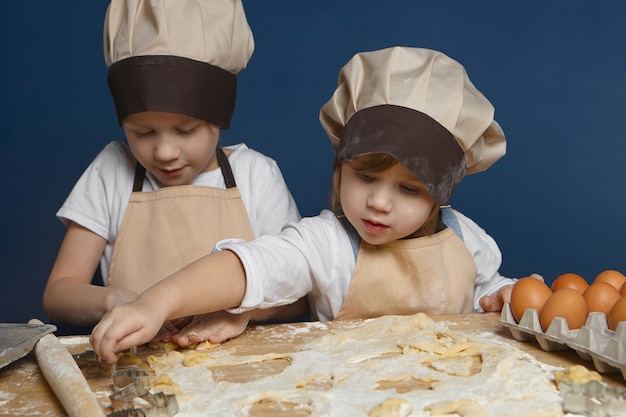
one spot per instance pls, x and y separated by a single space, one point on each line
566 303
611 276
617 313
528 292
570 280
600 297
623 290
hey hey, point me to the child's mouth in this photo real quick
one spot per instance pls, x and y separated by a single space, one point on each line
374 227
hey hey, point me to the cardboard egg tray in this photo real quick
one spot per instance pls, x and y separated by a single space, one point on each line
593 342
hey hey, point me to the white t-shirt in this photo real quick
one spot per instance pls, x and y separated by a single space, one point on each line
99 198
315 257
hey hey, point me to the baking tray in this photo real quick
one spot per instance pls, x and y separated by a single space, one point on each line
17 339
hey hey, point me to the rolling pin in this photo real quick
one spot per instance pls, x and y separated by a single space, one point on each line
65 377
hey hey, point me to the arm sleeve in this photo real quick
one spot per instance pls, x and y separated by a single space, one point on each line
277 271
311 257
97 196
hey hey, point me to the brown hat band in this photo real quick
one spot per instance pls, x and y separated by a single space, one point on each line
414 139
173 84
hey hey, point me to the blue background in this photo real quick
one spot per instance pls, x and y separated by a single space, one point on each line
554 70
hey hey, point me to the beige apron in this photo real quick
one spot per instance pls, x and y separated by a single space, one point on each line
433 274
167 229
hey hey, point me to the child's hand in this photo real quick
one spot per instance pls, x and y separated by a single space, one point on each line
170 328
495 301
214 327
125 326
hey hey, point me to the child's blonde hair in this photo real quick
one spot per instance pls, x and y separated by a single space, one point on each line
376 163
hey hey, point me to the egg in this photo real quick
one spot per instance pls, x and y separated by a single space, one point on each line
527 293
567 303
600 297
569 280
617 313
623 290
611 276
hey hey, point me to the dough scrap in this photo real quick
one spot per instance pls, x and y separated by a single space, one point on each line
206 345
577 374
405 383
463 407
129 359
320 382
164 383
166 346
163 379
391 407
195 357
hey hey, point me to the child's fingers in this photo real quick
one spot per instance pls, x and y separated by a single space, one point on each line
491 303
100 341
111 336
215 327
495 301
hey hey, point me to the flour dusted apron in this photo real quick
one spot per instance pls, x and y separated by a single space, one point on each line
433 274
167 229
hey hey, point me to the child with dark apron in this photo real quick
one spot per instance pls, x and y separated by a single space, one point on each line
150 206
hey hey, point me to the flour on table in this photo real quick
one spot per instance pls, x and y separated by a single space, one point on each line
389 366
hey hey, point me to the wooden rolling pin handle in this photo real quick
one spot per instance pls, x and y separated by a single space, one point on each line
65 377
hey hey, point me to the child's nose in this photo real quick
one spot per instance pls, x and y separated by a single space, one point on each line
379 199
166 149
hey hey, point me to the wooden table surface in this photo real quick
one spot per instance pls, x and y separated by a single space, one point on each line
24 391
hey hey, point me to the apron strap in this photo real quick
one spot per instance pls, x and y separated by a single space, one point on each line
222 161
140 173
227 172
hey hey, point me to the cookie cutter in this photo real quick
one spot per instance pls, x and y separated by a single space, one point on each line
92 365
135 397
130 375
593 399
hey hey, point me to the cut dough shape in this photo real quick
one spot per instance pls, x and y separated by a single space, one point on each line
195 357
129 359
406 383
577 374
464 408
391 407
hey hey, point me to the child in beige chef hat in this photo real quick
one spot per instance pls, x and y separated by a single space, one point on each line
155 203
406 124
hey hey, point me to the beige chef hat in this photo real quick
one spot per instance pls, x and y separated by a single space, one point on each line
419 106
178 56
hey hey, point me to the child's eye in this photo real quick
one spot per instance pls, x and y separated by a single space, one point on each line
410 190
186 130
143 134
365 177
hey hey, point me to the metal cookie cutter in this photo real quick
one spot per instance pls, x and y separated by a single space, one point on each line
593 399
132 375
92 365
133 400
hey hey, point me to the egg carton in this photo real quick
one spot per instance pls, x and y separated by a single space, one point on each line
593 342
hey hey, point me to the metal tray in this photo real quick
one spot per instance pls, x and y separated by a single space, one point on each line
17 339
